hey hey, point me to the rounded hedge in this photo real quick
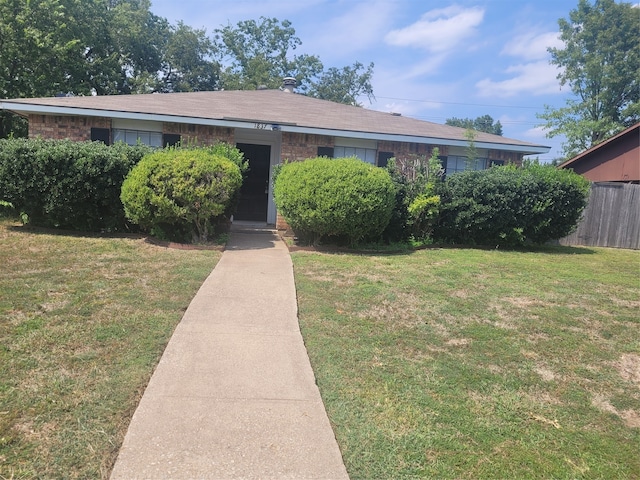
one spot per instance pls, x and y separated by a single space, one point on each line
178 193
343 197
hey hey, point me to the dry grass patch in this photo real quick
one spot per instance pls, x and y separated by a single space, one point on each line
83 321
629 368
454 363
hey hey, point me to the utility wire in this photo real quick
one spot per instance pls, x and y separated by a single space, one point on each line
458 103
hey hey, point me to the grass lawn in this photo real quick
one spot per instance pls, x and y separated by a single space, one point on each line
83 322
470 363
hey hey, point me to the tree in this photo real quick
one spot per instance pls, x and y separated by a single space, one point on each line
259 55
484 123
344 85
600 61
35 46
186 63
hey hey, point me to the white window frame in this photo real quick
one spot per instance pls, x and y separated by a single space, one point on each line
365 150
133 137
461 164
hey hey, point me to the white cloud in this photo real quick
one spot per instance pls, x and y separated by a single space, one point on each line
536 133
534 75
439 30
532 46
536 78
353 30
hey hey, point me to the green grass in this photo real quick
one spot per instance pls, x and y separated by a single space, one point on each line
470 363
83 322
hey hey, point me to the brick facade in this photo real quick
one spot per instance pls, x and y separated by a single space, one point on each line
295 146
61 127
300 146
200 134
506 157
404 151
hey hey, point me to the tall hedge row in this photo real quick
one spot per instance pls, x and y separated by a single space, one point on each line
60 183
510 206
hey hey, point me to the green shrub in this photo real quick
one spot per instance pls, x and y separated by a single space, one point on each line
221 149
342 197
510 206
229 152
177 193
423 213
416 207
60 183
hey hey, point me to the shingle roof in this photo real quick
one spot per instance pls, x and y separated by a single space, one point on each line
263 106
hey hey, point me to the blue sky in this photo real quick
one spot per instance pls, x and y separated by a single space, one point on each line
433 59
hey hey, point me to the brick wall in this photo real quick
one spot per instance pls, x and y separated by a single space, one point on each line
506 157
300 146
200 134
403 151
61 127
295 146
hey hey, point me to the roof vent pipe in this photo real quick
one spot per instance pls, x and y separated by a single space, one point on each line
289 84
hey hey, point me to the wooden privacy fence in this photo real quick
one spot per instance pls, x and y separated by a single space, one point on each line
611 219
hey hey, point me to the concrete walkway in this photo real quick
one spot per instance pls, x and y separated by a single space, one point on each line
234 395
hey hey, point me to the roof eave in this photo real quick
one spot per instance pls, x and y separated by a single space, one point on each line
26 108
594 148
524 149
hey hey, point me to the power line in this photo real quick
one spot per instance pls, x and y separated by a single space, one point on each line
458 103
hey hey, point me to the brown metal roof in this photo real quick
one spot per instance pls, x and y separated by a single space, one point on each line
263 106
601 145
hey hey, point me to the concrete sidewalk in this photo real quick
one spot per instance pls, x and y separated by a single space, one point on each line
234 395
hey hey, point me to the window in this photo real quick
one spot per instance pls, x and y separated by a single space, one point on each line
455 164
101 135
170 139
383 158
365 154
325 152
132 137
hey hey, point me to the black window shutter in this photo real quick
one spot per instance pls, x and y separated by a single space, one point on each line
383 158
101 135
170 139
325 152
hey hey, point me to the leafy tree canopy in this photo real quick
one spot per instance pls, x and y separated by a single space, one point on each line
107 47
484 123
600 61
344 85
260 53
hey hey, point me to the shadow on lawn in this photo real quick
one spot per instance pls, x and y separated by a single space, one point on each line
408 250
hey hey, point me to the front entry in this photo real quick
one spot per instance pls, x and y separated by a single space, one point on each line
254 193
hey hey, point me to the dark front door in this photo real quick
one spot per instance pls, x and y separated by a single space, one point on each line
255 187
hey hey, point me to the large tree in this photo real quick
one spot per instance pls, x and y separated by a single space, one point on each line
261 53
600 61
106 47
38 52
484 123
344 85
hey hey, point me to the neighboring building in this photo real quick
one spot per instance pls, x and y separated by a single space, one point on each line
269 126
614 160
612 216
